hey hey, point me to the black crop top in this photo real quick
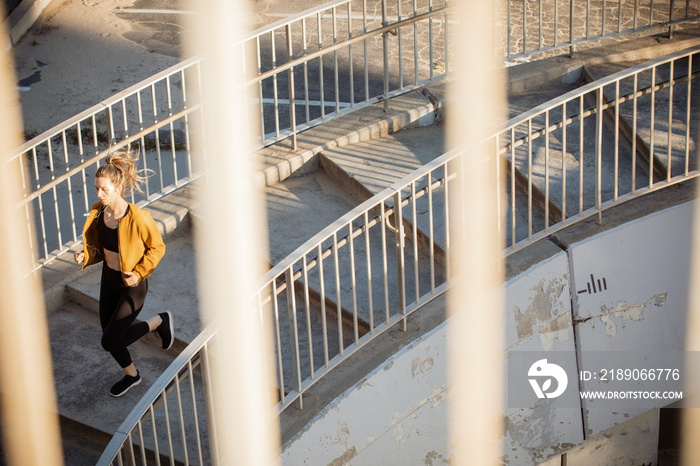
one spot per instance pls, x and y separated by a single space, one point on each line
107 237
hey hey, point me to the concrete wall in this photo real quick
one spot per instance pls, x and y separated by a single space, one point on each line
398 414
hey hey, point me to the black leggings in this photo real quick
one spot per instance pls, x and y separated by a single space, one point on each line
119 307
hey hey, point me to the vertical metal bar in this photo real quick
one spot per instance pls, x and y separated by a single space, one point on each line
431 232
157 137
370 301
172 130
350 59
188 148
529 178
599 153
307 309
322 291
305 51
546 170
142 446
603 19
636 10
321 90
415 44
139 109
617 137
74 236
651 132
385 265
619 16
539 26
42 218
338 304
207 382
293 332
525 2
154 430
670 121
634 133
563 163
194 411
447 42
430 41
398 13
336 77
571 28
385 49
651 12
353 282
280 368
499 214
274 84
580 158
400 259
110 125
509 30
588 19
290 86
167 424
512 187
182 419
687 115
556 23
260 91
364 44
415 240
447 224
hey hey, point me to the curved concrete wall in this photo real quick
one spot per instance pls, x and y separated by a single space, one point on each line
398 414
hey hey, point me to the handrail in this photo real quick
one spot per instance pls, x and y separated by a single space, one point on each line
362 231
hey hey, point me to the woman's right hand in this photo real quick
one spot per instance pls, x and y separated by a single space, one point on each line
79 257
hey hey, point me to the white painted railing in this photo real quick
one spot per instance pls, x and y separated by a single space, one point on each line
569 159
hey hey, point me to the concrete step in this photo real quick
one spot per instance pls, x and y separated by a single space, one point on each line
84 372
677 104
301 206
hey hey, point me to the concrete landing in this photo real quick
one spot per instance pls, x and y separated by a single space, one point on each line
84 372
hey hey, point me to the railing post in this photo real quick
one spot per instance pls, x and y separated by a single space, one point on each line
400 260
290 84
385 42
670 20
293 332
571 28
599 153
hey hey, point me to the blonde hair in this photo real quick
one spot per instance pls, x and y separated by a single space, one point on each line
120 168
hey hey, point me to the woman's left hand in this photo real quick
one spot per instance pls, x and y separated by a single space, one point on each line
131 279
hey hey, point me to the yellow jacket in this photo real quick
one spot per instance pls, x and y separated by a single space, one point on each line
140 245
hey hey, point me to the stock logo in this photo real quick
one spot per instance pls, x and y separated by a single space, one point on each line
546 372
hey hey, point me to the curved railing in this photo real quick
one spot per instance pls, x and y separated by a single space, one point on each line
569 159
309 68
292 90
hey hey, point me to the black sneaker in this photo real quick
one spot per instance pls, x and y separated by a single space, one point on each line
166 330
125 384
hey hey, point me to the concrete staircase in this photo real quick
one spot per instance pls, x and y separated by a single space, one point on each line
336 167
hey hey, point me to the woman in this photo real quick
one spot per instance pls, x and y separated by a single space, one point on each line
126 240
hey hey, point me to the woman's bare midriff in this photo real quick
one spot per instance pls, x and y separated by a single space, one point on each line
112 259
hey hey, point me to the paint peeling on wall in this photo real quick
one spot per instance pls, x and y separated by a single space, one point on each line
541 315
420 366
621 311
535 434
433 458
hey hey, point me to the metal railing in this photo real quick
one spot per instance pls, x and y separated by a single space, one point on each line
309 68
538 26
162 115
569 159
